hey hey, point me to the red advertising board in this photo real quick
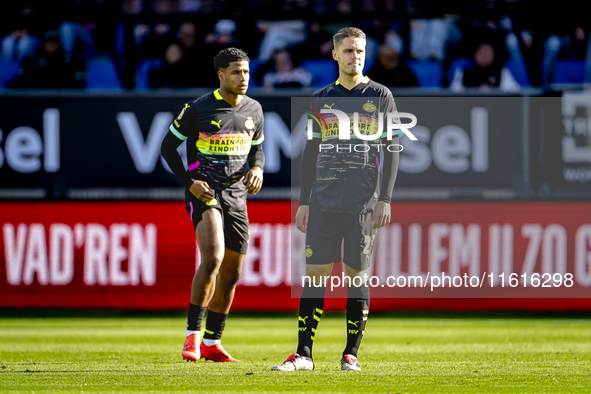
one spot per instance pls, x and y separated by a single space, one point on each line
142 255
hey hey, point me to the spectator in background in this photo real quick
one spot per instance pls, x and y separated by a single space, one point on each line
175 71
429 38
18 44
79 38
318 44
527 48
187 36
154 41
50 67
222 36
577 46
576 43
394 41
485 71
390 71
285 74
280 35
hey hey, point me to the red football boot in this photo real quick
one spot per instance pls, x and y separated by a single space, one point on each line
217 353
191 350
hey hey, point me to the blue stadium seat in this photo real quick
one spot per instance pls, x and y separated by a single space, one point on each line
569 71
460 63
325 71
519 72
429 74
102 74
8 71
144 69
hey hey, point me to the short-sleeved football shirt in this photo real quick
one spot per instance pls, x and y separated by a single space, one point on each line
347 175
219 137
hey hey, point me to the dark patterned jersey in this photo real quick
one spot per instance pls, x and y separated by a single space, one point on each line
347 175
219 137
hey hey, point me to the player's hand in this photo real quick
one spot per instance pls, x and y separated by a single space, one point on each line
253 180
202 191
302 216
381 215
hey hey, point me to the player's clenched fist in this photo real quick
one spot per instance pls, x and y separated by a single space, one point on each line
253 180
202 191
302 218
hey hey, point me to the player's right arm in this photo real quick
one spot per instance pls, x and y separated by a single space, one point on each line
173 139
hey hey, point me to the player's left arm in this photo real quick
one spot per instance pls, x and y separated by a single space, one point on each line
256 160
382 212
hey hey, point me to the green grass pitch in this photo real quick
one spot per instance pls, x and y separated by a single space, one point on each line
401 353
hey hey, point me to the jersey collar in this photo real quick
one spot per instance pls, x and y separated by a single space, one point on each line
364 80
218 97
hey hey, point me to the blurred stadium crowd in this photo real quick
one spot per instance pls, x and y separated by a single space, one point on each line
145 44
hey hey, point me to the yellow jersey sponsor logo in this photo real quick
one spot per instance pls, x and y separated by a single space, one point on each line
224 144
309 252
366 126
217 123
326 106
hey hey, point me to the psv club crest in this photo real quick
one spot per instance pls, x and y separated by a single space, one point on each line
249 123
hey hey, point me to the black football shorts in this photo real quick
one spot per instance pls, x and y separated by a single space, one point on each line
328 233
231 202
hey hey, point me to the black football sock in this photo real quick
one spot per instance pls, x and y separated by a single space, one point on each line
311 305
195 317
357 310
214 326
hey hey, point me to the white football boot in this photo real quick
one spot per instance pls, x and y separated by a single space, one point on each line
349 363
295 362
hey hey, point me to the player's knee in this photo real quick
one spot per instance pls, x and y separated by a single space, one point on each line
318 271
231 278
358 292
211 264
